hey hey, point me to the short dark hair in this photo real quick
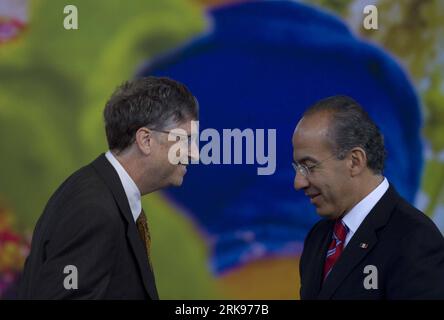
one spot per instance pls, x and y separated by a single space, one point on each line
152 102
351 126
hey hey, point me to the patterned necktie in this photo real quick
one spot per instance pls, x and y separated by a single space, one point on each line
340 231
142 226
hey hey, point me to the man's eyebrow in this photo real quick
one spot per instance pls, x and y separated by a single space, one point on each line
307 158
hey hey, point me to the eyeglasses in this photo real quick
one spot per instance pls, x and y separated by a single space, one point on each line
188 137
307 170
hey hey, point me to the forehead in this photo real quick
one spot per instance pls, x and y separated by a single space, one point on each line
184 125
310 138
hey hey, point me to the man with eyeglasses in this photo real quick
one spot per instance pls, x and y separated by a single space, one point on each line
371 243
92 240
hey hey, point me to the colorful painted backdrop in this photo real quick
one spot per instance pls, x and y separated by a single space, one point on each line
227 233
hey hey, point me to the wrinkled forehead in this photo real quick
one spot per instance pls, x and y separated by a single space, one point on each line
311 138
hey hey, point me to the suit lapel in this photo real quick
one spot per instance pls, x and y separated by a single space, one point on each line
142 259
354 252
111 178
315 281
350 257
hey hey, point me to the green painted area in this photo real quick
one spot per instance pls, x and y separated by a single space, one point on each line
53 86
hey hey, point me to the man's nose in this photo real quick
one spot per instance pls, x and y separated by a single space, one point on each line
300 181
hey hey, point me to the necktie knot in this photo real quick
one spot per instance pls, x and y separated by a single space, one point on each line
141 219
340 231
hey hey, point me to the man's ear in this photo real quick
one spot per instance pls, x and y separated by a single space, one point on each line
144 140
357 160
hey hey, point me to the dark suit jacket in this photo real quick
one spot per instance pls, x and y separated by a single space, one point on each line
402 243
88 223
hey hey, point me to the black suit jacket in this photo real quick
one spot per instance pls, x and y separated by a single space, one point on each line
88 223
402 243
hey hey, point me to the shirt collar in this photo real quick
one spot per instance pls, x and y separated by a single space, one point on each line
357 214
131 190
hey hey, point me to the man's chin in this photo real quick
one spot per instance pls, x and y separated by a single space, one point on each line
324 212
176 179
177 182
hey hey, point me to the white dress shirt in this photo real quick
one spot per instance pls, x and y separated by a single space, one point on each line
131 190
357 214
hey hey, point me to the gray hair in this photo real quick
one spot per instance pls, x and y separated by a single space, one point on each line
351 127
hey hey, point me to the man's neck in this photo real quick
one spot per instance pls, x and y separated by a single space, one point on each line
364 188
136 170
373 182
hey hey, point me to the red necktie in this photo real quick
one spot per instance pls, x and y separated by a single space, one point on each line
340 231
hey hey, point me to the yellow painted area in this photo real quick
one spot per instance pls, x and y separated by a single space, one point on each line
271 278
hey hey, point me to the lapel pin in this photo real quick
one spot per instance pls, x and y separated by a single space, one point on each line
363 245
